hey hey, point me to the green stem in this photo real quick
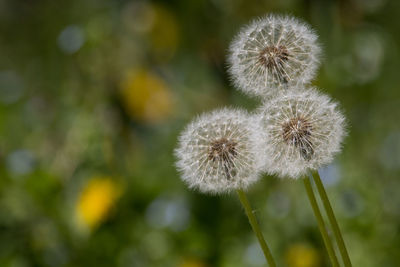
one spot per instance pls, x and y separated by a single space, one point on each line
256 227
332 219
321 224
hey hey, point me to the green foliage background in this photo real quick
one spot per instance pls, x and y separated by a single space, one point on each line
64 120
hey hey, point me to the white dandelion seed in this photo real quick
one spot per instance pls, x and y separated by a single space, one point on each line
272 53
217 152
302 130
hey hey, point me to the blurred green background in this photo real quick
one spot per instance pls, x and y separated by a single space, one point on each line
94 93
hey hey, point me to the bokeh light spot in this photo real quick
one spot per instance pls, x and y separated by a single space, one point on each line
71 39
168 212
20 162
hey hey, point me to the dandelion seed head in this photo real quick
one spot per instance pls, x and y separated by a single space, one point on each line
273 53
217 152
302 130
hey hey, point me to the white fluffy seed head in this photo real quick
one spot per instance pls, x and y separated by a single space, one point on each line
272 53
302 130
217 152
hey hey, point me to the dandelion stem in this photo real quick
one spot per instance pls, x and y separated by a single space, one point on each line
321 224
256 227
332 219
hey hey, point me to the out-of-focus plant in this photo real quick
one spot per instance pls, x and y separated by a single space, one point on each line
96 200
302 255
146 96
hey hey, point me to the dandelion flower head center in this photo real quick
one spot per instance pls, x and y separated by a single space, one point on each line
297 131
273 57
223 151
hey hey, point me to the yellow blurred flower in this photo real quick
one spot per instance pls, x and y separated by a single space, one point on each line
96 200
192 263
302 255
146 96
164 34
156 24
